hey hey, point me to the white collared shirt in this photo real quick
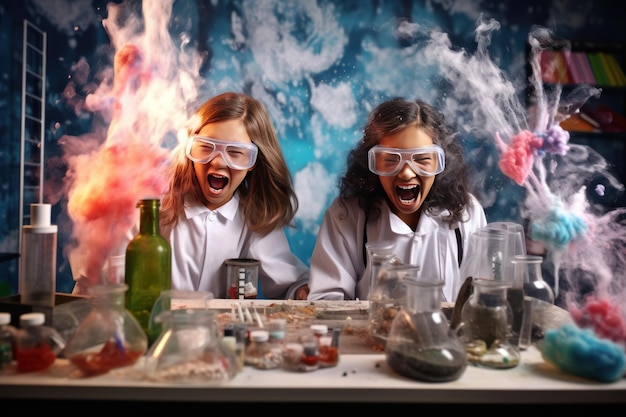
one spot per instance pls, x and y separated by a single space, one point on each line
338 270
203 239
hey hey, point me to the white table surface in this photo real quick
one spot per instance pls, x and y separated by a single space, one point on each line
357 378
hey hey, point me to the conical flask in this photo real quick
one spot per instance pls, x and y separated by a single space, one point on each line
485 328
421 345
109 336
190 350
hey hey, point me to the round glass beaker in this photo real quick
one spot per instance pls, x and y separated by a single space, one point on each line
109 336
485 328
421 345
190 350
388 297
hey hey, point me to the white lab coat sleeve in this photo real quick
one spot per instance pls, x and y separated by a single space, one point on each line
281 272
337 261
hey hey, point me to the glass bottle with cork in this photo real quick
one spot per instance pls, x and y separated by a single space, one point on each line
148 270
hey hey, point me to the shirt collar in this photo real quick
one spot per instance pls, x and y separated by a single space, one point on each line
228 210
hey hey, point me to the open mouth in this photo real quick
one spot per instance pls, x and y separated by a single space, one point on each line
408 194
217 182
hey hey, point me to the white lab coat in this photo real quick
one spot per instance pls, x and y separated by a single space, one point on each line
204 238
338 270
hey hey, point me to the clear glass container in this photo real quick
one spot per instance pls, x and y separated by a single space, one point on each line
190 350
387 298
421 345
37 345
485 328
109 336
379 254
528 276
8 334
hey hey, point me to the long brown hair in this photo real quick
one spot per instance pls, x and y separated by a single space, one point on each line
267 197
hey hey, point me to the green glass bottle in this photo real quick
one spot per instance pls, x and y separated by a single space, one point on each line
148 269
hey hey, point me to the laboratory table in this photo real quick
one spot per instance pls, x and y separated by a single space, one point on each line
359 379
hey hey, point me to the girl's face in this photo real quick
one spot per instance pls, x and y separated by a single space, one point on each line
406 190
218 181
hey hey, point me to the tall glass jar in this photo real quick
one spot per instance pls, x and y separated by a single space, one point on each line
148 269
109 336
190 350
387 298
536 292
485 328
421 345
379 254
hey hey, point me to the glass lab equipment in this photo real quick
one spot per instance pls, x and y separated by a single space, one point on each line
485 327
190 350
421 345
109 336
388 297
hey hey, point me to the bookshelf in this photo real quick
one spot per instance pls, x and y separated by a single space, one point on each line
601 122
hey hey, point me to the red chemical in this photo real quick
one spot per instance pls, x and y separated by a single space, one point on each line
603 317
109 357
35 359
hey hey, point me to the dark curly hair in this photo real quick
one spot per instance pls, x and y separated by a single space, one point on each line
451 187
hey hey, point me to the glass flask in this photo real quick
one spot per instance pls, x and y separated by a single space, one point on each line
148 268
379 253
175 300
109 336
485 327
387 298
515 245
190 350
528 275
421 345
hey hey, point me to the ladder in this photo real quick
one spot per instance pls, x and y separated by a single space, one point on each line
32 122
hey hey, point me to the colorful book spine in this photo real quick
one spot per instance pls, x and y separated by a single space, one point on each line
598 68
553 67
611 77
618 72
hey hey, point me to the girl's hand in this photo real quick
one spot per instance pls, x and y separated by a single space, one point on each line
302 292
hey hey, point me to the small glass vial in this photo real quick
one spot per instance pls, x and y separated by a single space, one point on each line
37 345
259 353
328 355
8 334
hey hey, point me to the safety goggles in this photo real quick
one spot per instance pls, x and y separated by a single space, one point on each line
237 155
426 161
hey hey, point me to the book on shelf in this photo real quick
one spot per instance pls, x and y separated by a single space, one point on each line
598 68
616 69
606 119
553 66
578 123
580 69
611 75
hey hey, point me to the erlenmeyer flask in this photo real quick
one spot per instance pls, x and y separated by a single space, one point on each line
387 298
109 336
190 350
421 344
485 327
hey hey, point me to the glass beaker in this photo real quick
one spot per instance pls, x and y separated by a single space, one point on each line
190 350
485 327
528 275
109 336
379 254
388 297
175 300
421 345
